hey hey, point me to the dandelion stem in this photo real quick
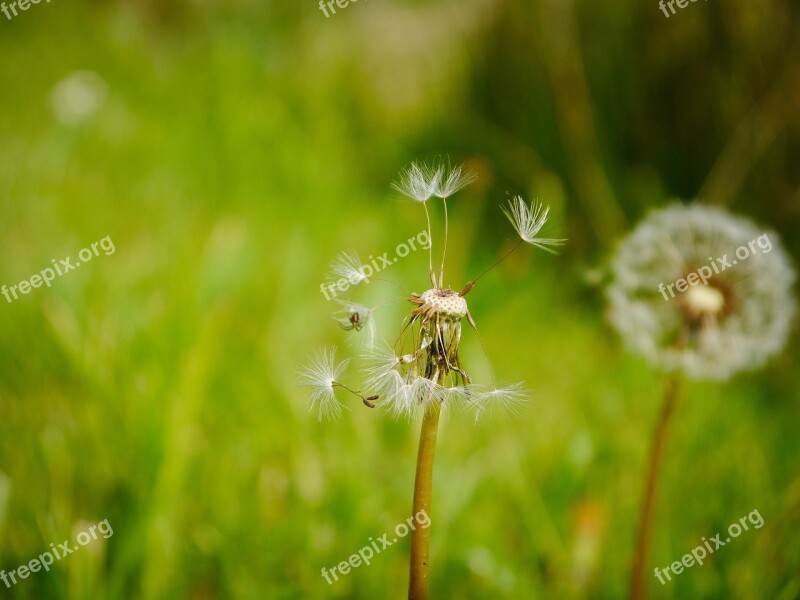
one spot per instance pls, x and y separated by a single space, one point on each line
423 486
430 244
638 587
444 249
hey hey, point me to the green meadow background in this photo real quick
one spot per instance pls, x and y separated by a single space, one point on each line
235 149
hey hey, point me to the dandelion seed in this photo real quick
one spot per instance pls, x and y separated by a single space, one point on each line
460 396
735 322
426 392
507 401
453 180
321 376
379 364
356 317
528 221
348 266
419 182
398 393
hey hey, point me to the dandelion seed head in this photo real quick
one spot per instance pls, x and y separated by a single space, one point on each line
704 300
444 302
423 370
736 321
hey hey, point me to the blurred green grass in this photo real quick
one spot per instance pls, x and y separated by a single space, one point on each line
237 151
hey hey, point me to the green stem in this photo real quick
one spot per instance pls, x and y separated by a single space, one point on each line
423 487
638 587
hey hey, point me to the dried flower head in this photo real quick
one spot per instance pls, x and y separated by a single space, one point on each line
732 318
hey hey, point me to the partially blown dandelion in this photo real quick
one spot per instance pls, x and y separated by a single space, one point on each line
423 372
735 320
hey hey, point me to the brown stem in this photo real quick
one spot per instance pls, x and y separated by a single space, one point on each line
638 587
423 486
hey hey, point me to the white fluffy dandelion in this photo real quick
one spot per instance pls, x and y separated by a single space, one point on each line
321 377
731 312
528 221
735 321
